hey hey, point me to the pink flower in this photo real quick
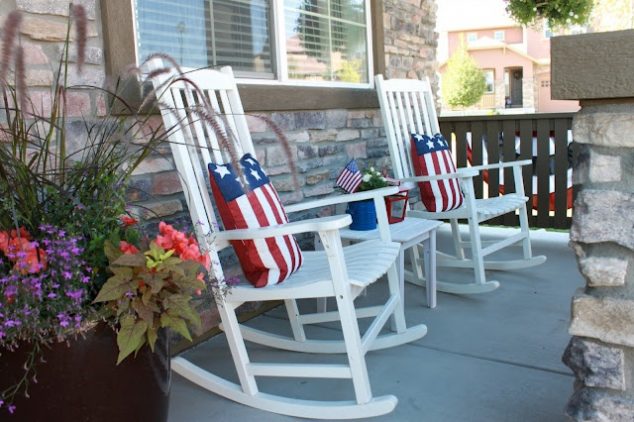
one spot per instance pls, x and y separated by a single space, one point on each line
164 242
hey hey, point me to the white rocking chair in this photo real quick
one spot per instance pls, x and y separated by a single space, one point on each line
338 272
407 107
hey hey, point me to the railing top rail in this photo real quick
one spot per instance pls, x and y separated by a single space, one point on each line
500 117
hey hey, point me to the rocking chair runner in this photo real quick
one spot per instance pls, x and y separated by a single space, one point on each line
407 108
339 272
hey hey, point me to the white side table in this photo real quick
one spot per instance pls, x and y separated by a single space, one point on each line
410 232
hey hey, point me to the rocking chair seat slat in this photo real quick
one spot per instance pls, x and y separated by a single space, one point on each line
314 279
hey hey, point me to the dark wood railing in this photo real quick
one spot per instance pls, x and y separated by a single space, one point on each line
544 138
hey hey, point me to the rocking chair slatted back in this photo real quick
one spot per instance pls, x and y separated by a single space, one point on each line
410 105
196 144
407 107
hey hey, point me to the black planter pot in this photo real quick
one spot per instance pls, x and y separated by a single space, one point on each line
82 382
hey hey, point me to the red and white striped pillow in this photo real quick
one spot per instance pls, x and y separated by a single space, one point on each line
264 261
431 156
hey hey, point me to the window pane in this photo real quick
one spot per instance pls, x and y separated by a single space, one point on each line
313 6
349 53
178 29
489 77
241 34
200 33
324 46
351 10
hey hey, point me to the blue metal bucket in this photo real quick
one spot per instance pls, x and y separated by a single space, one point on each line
363 215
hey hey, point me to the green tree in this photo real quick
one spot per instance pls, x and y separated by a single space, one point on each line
463 83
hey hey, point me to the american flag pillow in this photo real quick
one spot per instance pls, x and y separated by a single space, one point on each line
264 261
431 156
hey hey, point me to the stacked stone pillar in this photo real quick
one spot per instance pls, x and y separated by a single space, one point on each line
597 70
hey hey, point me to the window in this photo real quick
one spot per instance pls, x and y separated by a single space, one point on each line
489 78
318 42
472 37
498 35
548 33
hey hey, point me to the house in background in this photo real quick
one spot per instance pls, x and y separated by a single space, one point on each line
514 59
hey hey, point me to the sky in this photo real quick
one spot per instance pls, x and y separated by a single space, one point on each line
457 14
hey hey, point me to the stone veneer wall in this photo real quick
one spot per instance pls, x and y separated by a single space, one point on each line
42 36
601 352
322 141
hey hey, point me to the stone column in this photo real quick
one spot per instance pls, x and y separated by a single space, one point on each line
597 70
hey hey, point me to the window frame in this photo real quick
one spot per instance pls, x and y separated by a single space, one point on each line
502 37
492 70
120 50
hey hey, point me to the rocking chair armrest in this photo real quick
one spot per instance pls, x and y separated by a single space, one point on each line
463 173
322 224
340 199
518 163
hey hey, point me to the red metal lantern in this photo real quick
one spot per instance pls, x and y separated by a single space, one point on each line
396 205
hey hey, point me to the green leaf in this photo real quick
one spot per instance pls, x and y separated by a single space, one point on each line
175 323
152 336
130 260
116 286
179 305
131 336
155 283
145 312
112 252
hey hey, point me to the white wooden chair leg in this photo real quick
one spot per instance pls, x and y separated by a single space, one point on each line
396 286
322 304
429 259
457 239
356 358
348 317
237 347
526 242
293 317
416 264
476 250
394 324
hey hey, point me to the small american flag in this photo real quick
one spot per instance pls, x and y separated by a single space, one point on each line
350 177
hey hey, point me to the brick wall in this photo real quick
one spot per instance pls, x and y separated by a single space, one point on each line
42 37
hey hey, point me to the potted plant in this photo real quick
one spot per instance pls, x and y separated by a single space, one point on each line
363 213
85 297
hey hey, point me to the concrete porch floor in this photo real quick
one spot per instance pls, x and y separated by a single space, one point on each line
486 358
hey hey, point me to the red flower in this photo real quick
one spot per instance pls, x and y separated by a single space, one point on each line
127 248
128 221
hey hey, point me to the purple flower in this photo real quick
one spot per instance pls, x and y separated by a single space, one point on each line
232 281
10 323
76 295
67 275
64 320
11 408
